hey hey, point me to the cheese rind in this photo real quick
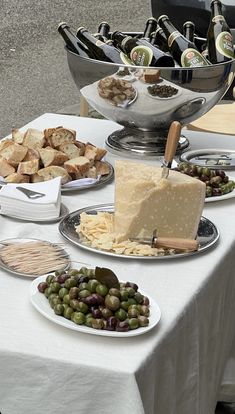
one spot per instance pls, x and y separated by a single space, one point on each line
144 201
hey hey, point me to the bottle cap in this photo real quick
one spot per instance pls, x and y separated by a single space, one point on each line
62 24
162 18
188 23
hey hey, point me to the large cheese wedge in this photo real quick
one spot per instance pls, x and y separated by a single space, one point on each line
144 201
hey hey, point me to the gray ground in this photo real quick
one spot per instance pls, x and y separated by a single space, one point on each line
34 76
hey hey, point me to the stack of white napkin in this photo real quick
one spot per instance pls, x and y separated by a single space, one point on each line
15 203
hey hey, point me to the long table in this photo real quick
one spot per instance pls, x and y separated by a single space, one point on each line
184 365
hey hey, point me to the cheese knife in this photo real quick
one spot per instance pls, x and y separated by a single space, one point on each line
169 242
171 145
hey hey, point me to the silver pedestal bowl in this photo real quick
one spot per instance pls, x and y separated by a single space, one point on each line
185 95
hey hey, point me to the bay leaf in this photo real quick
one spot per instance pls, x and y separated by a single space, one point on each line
107 277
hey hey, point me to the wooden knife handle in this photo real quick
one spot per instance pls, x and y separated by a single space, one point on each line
172 142
176 243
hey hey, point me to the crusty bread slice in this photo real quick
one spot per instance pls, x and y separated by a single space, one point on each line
71 150
77 165
28 167
49 131
52 157
5 143
62 136
17 178
91 173
102 167
94 153
35 178
17 136
14 153
5 168
48 173
33 139
81 146
32 154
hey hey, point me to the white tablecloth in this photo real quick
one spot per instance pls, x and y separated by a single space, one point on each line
177 368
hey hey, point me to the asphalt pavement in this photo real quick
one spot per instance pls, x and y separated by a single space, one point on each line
34 75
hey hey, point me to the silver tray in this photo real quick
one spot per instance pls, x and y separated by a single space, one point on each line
103 180
207 234
28 240
63 212
212 158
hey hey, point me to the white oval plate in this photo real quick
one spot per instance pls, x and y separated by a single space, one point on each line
220 198
40 302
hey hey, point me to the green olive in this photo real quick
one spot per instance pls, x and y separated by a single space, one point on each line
59 309
78 318
82 307
48 292
62 292
101 289
73 292
69 283
115 292
106 313
112 302
74 304
83 286
73 272
97 323
133 313
145 310
124 295
68 312
143 320
84 293
55 301
66 299
50 279
138 297
92 285
121 314
131 292
133 323
55 287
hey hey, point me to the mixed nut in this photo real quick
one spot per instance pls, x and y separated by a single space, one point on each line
95 298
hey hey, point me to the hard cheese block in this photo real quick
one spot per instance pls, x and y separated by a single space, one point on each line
144 201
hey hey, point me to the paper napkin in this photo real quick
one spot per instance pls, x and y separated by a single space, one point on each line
16 204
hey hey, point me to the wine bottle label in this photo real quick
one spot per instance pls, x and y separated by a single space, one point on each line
141 55
218 18
125 59
172 37
224 44
191 57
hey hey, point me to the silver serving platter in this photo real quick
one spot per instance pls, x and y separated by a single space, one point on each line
29 275
207 234
212 158
103 180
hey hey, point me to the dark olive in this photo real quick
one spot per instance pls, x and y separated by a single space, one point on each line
42 287
83 279
220 173
145 301
215 181
216 192
122 326
111 323
99 300
132 285
90 300
62 278
96 313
